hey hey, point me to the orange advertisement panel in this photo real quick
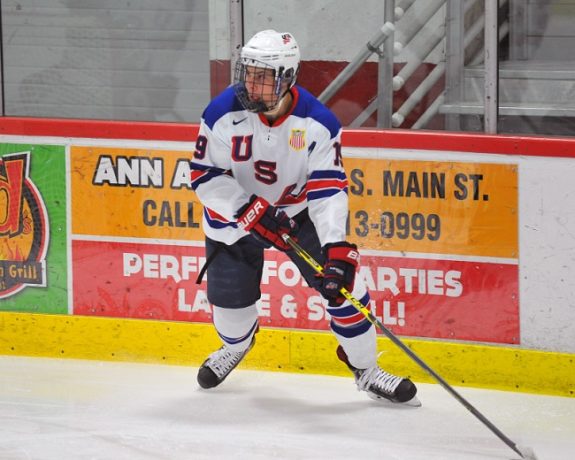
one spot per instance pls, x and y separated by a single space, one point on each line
434 207
138 193
414 297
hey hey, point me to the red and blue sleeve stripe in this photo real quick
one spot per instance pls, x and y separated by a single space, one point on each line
323 184
214 220
201 174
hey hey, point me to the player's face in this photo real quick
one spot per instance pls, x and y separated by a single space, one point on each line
260 85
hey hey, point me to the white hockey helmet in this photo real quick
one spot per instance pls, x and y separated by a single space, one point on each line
268 49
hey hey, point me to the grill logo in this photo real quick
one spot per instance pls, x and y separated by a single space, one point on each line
24 230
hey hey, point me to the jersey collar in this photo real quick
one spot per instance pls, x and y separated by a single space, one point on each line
295 97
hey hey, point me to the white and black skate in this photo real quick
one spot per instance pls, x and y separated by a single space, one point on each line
381 385
219 364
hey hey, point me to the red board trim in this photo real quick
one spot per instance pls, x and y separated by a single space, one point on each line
399 139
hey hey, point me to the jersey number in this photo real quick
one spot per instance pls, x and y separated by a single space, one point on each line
201 144
338 161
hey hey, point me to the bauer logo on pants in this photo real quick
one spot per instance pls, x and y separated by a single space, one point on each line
24 231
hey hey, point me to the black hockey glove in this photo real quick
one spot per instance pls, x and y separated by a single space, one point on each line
266 223
341 261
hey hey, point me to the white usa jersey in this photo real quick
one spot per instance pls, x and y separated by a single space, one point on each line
294 164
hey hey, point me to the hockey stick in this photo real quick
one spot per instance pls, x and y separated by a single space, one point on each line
524 452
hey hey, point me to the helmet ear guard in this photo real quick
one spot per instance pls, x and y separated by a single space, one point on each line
289 75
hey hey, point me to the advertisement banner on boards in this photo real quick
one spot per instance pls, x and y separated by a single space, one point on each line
439 245
434 207
412 296
133 193
33 239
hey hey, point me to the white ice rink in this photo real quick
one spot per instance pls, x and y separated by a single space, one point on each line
68 409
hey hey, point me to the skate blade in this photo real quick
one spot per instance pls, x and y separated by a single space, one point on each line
413 402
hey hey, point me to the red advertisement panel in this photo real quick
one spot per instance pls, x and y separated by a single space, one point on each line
434 298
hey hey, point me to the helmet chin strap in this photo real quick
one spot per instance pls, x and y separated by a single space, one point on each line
281 107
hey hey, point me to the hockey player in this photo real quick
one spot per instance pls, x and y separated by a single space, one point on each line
268 162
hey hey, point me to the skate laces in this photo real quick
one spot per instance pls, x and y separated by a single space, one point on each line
223 361
377 377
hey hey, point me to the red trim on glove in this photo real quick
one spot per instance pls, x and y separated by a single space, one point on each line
266 222
346 254
253 214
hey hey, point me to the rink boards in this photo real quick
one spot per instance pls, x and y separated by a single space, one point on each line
109 236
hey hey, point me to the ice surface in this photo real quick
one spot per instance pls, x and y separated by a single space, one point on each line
54 409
